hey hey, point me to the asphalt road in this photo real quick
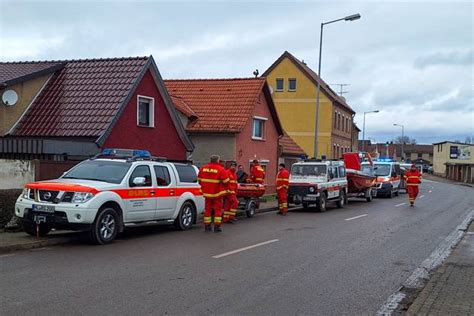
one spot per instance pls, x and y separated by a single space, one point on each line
313 263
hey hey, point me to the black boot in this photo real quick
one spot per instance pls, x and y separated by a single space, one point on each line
207 228
217 229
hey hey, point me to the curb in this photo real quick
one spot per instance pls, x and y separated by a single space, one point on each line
400 301
52 241
36 244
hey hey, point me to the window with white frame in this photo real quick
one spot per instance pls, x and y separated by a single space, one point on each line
146 111
280 84
258 127
292 84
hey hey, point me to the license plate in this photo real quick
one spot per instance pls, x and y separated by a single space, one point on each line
43 208
310 198
40 219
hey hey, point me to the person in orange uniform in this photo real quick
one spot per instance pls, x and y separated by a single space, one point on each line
230 200
257 173
282 183
413 180
213 179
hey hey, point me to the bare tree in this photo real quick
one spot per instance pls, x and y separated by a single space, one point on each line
405 140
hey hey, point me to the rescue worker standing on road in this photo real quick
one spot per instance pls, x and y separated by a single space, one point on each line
257 173
230 200
413 180
213 179
282 183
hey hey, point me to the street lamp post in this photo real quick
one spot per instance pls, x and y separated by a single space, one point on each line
403 139
363 127
347 18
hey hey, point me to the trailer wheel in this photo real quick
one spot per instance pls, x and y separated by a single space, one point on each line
250 208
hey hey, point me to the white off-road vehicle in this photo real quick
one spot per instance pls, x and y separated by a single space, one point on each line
110 191
315 183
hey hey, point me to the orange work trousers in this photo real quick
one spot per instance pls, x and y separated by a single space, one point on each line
412 191
230 207
213 207
282 195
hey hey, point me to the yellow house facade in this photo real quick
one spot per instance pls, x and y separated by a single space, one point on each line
294 87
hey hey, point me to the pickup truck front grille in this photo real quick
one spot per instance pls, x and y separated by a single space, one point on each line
298 190
47 195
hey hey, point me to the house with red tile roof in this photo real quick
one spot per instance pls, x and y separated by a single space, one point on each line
290 151
71 109
234 118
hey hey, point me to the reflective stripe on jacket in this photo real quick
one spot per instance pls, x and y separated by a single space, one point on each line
283 179
214 180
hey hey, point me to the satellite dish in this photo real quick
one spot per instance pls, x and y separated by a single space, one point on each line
9 97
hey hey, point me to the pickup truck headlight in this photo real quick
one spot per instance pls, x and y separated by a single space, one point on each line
312 189
82 197
25 193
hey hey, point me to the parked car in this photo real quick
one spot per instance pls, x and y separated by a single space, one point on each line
315 183
110 191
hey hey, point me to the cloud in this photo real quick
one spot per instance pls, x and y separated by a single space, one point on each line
463 57
17 48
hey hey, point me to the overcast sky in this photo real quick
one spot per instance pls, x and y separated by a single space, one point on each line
413 61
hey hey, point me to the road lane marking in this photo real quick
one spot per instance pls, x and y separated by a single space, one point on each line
430 191
355 217
421 196
400 204
244 248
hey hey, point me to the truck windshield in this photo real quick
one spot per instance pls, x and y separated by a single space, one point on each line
309 170
382 170
99 170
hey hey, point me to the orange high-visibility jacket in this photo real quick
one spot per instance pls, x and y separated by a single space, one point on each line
283 179
213 179
413 177
257 174
232 181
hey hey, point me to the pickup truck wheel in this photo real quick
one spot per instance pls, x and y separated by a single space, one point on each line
185 218
105 227
322 201
342 199
30 228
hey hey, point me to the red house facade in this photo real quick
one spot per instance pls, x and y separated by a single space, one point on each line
87 105
234 118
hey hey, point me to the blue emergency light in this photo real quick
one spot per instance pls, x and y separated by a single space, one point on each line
128 153
385 160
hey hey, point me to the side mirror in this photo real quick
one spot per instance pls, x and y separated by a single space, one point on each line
139 181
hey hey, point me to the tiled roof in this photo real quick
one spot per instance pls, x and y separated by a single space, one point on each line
82 98
289 146
183 107
222 105
11 72
325 88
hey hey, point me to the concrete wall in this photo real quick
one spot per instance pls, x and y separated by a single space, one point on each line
14 174
212 144
26 92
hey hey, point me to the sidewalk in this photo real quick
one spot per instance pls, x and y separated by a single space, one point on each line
432 177
450 291
21 240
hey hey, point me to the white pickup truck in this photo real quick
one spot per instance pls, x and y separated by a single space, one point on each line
315 183
110 191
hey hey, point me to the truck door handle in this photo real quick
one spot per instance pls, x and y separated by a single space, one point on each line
171 192
152 192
